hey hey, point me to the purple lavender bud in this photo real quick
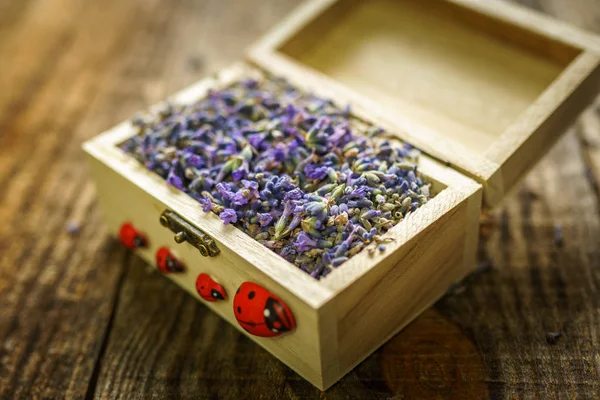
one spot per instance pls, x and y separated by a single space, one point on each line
256 139
336 262
295 222
362 203
313 172
240 198
228 216
358 192
294 194
304 242
195 161
360 182
174 180
206 204
371 214
288 208
317 270
239 173
286 251
250 184
256 205
264 219
391 183
266 194
341 250
224 190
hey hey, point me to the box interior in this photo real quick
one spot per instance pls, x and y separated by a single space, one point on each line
458 72
437 187
198 91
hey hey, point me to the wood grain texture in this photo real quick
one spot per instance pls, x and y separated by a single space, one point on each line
79 318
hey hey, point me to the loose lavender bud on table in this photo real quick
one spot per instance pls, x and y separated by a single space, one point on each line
292 170
73 228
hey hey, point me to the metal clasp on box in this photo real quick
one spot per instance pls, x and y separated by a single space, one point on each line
186 232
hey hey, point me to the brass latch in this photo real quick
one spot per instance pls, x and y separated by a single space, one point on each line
185 232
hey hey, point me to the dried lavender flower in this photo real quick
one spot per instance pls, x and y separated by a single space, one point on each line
294 171
228 216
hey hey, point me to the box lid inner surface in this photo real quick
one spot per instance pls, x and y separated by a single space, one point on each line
419 59
424 62
442 66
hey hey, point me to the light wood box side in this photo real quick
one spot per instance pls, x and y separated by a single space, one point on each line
368 310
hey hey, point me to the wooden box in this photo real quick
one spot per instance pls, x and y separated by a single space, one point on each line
482 88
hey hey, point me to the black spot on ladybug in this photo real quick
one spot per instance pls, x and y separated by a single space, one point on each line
251 295
201 287
239 309
276 317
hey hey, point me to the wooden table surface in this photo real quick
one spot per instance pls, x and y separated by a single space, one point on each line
82 318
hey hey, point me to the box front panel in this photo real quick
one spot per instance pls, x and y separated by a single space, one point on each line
122 201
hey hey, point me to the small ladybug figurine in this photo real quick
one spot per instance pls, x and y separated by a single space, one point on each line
208 289
167 262
260 312
131 237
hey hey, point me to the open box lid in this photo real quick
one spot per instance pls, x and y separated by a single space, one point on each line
486 87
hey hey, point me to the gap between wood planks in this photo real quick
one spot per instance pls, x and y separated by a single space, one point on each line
91 389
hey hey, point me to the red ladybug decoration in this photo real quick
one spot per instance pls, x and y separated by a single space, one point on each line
208 289
260 312
131 237
167 262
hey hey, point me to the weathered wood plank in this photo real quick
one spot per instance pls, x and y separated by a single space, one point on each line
58 292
